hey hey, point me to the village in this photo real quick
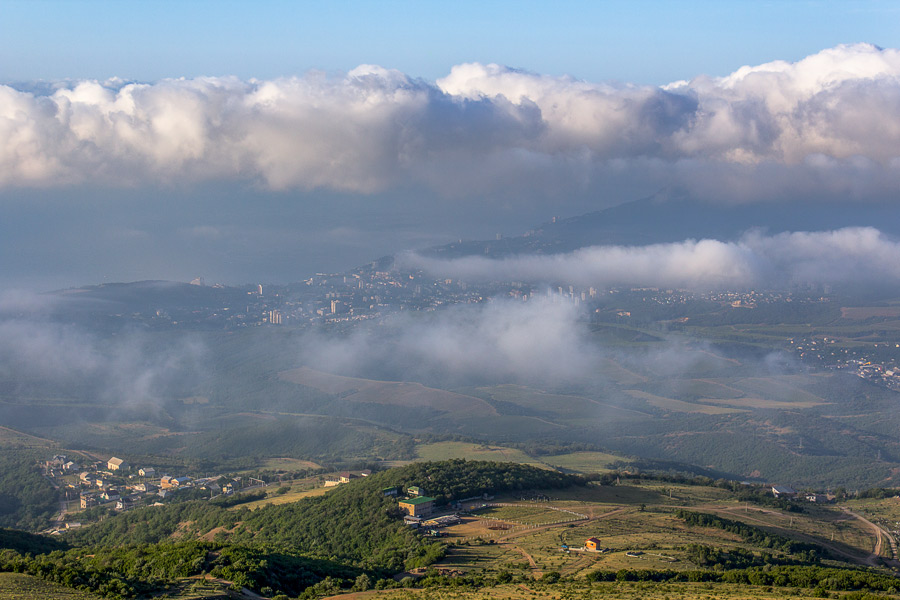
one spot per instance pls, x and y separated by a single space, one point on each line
116 485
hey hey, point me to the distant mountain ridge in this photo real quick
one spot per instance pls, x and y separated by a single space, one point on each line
667 218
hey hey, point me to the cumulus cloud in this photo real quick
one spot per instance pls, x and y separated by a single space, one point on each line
481 129
849 255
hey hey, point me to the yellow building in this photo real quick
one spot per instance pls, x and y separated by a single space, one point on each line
417 507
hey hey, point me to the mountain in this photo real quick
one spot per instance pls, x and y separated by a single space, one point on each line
667 217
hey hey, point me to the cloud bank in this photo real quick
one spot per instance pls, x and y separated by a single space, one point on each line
824 124
126 371
853 255
498 341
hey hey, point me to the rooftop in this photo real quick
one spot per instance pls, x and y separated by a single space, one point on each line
419 500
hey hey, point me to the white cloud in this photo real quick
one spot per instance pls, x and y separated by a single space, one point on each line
482 129
126 370
850 255
539 341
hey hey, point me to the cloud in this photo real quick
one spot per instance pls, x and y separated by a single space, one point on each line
127 370
824 124
538 341
850 255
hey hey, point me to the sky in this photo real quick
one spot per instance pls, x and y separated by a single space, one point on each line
266 141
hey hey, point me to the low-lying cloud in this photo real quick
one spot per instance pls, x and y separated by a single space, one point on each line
544 343
850 255
824 124
128 370
498 341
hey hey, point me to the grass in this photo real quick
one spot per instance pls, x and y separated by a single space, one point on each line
673 405
619 590
447 450
17 586
288 498
289 464
11 437
641 517
584 462
524 514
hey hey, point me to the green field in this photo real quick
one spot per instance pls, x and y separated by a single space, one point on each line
469 451
287 498
584 462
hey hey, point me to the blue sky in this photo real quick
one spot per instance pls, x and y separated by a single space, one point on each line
645 42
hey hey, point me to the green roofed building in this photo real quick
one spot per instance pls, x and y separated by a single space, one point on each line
417 507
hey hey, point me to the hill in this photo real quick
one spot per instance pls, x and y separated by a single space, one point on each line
672 534
670 217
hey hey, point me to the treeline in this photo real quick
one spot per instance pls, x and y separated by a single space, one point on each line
809 577
820 579
742 492
879 493
803 551
734 558
24 542
27 500
148 569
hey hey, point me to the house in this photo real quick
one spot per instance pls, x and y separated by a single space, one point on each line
86 477
783 491
817 498
391 491
414 491
116 464
110 495
167 482
592 543
332 481
147 472
144 487
89 500
420 506
365 472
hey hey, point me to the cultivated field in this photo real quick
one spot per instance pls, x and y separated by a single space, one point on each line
638 529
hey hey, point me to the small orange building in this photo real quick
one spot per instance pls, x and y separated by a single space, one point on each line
592 544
